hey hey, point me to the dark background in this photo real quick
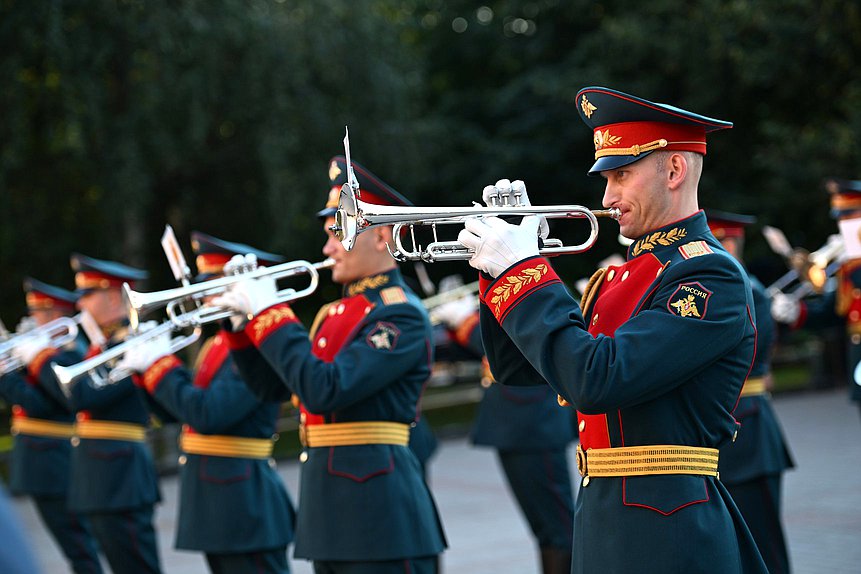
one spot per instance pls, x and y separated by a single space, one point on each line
117 117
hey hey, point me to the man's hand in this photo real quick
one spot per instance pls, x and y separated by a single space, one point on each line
785 309
512 193
453 313
247 298
142 356
32 345
499 245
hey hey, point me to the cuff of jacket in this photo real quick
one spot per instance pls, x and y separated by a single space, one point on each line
802 316
518 282
41 359
268 321
236 340
463 333
157 371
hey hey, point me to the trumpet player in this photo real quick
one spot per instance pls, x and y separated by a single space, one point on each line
840 306
113 479
653 358
363 504
42 425
752 466
233 505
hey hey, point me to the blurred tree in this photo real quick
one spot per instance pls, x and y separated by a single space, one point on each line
122 116
221 115
505 73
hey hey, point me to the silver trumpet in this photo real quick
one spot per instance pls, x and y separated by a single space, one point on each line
98 367
185 306
811 271
355 216
434 302
61 332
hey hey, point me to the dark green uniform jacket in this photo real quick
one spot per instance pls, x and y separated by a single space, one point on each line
368 361
253 511
658 359
760 448
110 475
39 465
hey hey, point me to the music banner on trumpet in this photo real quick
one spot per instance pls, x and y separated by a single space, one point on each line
850 231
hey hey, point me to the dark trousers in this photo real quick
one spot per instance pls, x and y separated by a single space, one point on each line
72 533
127 539
263 562
541 483
759 503
423 565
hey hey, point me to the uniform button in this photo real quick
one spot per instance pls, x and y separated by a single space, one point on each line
856 339
182 460
272 464
610 274
853 316
582 426
585 481
303 457
341 309
75 441
275 437
321 342
332 310
625 275
595 319
367 310
302 417
486 382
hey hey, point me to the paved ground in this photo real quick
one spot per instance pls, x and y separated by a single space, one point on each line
822 508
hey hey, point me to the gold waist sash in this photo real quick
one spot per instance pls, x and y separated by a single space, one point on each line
41 427
351 434
753 387
110 430
647 460
229 446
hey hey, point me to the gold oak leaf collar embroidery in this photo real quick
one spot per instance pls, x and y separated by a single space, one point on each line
652 240
689 300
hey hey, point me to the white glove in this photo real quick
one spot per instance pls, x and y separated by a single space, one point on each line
142 356
499 245
30 346
249 297
453 313
512 193
785 309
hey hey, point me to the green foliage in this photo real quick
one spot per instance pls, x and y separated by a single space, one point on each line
119 117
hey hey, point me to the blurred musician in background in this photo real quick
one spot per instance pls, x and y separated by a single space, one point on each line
113 479
752 466
530 433
840 306
43 424
233 505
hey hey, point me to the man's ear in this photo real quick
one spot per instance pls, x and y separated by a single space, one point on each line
677 170
382 237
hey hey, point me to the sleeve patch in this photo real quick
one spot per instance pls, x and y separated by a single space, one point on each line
383 337
689 300
393 295
695 249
